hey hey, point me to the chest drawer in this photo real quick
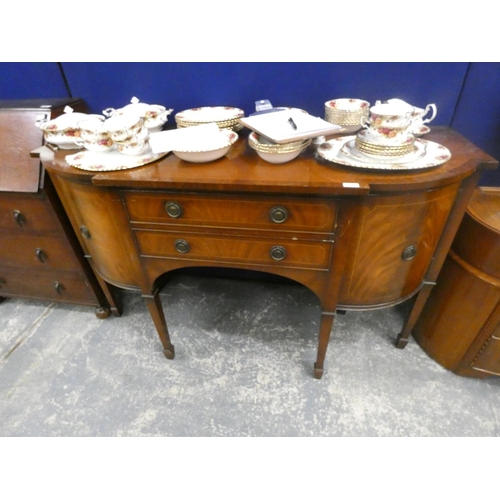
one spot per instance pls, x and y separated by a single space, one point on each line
37 251
27 212
226 249
259 213
65 286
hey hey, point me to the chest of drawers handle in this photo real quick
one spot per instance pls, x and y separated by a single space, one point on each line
278 214
173 209
182 246
277 252
59 288
19 218
40 255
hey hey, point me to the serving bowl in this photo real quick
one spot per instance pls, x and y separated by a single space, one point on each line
64 131
203 151
277 153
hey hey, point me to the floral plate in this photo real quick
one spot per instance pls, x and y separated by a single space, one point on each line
209 114
334 150
110 161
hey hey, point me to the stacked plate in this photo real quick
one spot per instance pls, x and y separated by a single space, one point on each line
274 152
226 117
375 149
348 113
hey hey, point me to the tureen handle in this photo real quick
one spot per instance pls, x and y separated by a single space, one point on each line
108 112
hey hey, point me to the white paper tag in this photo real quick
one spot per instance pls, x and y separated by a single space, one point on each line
182 139
350 185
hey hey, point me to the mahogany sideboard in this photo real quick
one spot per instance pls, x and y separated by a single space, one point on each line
40 256
460 324
359 239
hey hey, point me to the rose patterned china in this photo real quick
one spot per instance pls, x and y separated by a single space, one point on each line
346 112
124 127
154 115
93 136
417 115
110 161
341 150
224 116
63 131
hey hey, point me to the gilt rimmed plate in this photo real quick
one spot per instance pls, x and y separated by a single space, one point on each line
110 161
435 155
350 149
209 114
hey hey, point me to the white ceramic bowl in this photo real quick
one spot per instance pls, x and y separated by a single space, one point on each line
203 153
277 153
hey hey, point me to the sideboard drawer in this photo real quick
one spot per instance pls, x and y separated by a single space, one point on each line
220 248
262 213
49 284
37 251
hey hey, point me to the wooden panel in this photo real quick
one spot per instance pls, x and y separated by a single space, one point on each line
235 249
238 211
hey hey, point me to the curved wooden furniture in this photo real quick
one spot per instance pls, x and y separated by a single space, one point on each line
460 324
359 239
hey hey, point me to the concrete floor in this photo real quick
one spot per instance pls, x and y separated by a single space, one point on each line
243 367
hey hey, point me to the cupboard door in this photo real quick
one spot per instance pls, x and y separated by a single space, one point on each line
393 244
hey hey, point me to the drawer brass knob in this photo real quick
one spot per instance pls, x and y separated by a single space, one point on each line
278 253
58 287
19 218
278 214
173 209
409 253
85 232
40 254
182 246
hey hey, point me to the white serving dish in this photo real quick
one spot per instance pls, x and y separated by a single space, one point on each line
203 151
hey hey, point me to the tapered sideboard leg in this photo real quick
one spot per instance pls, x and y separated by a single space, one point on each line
412 318
325 330
156 311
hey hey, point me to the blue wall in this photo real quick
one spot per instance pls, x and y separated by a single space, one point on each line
467 95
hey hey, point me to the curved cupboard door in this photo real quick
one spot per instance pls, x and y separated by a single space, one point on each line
393 244
100 221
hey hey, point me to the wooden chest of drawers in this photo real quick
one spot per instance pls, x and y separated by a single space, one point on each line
40 257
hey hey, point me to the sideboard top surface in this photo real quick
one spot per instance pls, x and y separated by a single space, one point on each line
243 171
